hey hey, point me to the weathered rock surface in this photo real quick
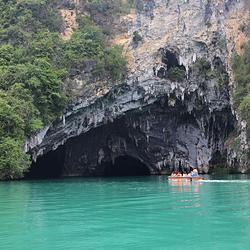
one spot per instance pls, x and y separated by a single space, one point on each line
165 124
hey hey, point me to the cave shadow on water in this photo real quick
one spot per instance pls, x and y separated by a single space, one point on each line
125 166
48 166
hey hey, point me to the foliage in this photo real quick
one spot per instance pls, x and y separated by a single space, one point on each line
19 116
176 74
136 37
115 61
13 161
110 7
241 69
218 73
84 44
103 11
218 164
221 169
35 66
208 24
202 65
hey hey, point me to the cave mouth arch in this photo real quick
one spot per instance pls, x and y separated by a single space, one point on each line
47 166
125 166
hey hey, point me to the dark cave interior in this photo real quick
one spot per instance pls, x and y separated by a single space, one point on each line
50 166
47 166
170 59
125 166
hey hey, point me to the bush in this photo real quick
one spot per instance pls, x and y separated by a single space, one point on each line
136 37
115 61
208 24
220 170
176 74
202 65
13 161
241 70
219 72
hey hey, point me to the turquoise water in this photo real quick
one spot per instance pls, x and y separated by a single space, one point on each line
125 213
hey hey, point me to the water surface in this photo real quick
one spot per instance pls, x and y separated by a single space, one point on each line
125 213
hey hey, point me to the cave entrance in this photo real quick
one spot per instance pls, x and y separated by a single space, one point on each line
48 166
170 59
171 69
126 166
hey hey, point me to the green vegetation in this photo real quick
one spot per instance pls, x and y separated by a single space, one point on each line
208 24
35 66
31 91
223 169
176 74
112 7
13 162
136 37
102 12
218 73
241 69
242 27
108 8
202 65
115 61
218 164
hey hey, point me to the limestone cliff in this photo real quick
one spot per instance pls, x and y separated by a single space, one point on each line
167 122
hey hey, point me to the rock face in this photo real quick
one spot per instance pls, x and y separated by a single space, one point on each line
163 137
167 112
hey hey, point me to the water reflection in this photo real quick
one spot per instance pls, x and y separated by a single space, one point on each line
184 186
179 186
185 192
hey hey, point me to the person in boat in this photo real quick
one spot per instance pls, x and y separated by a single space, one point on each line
184 174
179 174
173 174
194 173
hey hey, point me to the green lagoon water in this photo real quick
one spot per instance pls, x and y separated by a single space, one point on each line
125 213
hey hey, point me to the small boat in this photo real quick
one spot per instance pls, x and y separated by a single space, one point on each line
179 178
